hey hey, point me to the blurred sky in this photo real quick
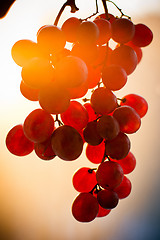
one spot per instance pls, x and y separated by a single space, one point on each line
36 196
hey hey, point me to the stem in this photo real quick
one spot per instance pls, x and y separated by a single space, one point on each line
85 19
70 3
105 8
122 14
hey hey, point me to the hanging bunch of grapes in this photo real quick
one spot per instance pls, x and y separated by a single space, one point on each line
59 78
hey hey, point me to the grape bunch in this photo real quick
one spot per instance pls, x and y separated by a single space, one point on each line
67 122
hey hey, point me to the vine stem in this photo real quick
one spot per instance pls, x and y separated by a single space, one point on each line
105 8
70 3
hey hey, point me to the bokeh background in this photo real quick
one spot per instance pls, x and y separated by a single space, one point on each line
36 196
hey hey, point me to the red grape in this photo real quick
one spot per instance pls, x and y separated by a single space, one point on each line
91 113
137 102
103 101
104 27
114 77
107 199
38 125
109 175
95 154
126 57
87 33
44 150
67 143
28 92
128 163
91 134
128 119
118 147
17 143
76 116
108 127
137 49
85 207
143 35
124 189
123 30
84 180
70 27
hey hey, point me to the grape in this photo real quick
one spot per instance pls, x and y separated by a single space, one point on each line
137 49
91 113
85 207
88 53
51 39
114 77
37 72
84 179
128 163
38 125
78 92
76 115
143 35
28 92
91 134
107 199
122 30
95 154
111 17
103 101
17 143
54 99
128 119
104 27
109 175
70 27
108 127
67 143
103 212
94 76
103 51
126 57
137 102
87 33
23 51
118 147
71 71
44 150
124 189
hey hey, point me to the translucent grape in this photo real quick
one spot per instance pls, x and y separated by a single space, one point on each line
76 116
137 102
29 93
137 49
95 154
54 99
70 27
128 119
84 179
71 71
44 150
114 77
17 143
37 73
104 27
128 163
38 125
91 113
126 57
87 33
51 39
124 189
